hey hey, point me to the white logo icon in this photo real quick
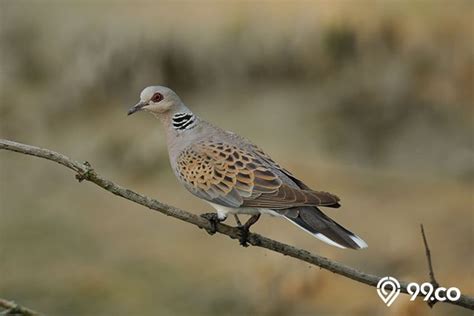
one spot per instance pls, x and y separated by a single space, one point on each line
388 295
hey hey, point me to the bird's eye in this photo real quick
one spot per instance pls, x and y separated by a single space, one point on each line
157 97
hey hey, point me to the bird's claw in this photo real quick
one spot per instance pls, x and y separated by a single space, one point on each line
243 235
214 220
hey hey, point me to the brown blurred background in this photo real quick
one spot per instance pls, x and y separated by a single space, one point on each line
371 101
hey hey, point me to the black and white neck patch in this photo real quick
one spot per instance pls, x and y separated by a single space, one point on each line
183 121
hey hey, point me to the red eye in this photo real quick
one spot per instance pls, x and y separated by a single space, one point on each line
157 97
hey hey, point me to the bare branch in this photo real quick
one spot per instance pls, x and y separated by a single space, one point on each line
85 172
428 257
12 308
430 265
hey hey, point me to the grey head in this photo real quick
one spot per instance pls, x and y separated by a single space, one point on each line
177 119
159 101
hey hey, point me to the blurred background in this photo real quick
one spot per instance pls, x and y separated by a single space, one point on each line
372 101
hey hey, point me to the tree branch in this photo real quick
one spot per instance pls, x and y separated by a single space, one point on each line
430 265
84 171
12 308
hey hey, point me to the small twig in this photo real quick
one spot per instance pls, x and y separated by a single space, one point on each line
430 266
428 257
86 172
12 308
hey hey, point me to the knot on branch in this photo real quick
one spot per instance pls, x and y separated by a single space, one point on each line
15 310
86 173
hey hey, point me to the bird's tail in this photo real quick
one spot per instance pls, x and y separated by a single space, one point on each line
315 222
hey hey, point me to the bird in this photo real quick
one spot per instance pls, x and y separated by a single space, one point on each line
237 177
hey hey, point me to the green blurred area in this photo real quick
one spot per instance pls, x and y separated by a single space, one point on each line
372 101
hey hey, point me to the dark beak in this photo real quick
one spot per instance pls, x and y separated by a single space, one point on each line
137 107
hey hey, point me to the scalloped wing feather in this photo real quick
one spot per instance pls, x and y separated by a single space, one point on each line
225 174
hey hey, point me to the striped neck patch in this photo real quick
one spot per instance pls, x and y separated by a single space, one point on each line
183 121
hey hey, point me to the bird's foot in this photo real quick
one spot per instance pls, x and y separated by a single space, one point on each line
243 235
244 229
214 220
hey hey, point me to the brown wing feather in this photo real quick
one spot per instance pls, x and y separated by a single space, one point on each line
327 199
228 175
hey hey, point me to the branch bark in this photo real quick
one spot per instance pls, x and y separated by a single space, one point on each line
12 308
430 265
84 171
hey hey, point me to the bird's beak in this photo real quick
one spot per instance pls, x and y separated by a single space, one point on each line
137 107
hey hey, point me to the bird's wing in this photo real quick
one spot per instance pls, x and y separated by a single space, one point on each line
266 158
225 174
287 174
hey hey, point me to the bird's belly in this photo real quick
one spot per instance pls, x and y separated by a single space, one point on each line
222 211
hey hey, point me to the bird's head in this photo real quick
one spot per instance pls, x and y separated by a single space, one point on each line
157 100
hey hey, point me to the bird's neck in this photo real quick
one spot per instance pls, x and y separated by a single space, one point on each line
179 123
182 129
183 121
